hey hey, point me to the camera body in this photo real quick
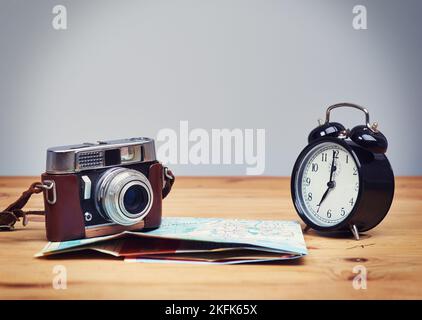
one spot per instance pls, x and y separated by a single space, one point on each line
104 188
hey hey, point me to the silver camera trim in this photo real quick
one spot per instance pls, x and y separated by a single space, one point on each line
110 192
66 159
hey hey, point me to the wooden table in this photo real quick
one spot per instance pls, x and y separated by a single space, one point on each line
391 253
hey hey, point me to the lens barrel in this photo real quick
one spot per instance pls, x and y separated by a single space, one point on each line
124 196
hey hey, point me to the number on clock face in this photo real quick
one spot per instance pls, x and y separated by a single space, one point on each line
328 184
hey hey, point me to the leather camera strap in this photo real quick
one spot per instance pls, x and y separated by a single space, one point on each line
13 213
168 181
10 215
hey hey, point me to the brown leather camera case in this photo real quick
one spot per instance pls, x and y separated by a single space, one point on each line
65 220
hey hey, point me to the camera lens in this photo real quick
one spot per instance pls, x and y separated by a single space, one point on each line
124 196
134 198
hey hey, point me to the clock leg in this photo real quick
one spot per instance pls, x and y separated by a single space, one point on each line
306 229
355 231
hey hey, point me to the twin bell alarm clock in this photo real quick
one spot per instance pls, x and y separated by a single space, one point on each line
342 180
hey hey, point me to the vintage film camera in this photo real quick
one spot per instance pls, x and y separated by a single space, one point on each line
105 188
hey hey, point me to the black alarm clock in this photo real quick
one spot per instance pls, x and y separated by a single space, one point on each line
342 180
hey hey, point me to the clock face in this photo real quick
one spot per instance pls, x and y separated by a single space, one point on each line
327 184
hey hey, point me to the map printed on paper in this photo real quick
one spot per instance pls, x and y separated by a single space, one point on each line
198 240
275 234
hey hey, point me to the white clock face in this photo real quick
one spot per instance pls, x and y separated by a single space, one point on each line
327 184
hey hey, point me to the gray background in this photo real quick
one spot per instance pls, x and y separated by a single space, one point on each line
129 68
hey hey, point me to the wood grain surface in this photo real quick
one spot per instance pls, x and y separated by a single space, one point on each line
391 253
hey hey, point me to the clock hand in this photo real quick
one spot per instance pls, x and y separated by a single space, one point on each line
333 167
323 198
330 184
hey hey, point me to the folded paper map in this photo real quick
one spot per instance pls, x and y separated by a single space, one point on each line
198 240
